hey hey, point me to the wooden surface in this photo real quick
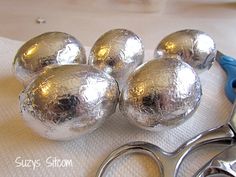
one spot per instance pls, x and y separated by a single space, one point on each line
87 20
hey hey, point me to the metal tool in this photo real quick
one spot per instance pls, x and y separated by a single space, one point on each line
222 164
169 162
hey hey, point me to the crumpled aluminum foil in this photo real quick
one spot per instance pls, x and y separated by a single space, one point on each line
117 52
47 49
68 101
161 94
193 46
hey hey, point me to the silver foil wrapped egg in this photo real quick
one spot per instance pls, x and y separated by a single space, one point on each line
193 46
46 49
117 52
68 101
160 94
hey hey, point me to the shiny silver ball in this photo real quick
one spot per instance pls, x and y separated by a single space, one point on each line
68 101
117 52
161 94
46 49
193 46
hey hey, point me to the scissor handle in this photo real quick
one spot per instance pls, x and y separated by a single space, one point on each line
168 163
149 149
229 65
222 164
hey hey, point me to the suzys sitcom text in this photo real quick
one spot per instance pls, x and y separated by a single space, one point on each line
50 162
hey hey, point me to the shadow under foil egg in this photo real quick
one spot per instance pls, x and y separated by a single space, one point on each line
117 52
68 101
193 46
51 48
161 94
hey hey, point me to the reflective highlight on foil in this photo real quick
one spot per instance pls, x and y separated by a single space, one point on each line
44 50
161 94
117 52
68 101
193 46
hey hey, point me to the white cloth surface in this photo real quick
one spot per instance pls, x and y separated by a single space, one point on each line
88 152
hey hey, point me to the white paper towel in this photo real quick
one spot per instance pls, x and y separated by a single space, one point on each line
84 155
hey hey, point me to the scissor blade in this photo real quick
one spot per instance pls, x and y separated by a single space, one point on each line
219 56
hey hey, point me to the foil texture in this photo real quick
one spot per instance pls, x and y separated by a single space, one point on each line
46 49
161 94
68 101
117 52
193 46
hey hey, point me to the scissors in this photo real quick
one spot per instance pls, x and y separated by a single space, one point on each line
169 162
